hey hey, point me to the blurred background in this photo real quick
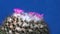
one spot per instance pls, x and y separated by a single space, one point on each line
50 9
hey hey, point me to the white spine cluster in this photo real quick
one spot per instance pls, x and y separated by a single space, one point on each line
27 17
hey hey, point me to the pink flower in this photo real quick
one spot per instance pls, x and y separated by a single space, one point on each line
31 13
39 15
18 11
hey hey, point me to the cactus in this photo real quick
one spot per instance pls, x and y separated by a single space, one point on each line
24 23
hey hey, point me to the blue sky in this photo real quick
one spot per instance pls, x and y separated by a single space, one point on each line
50 9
